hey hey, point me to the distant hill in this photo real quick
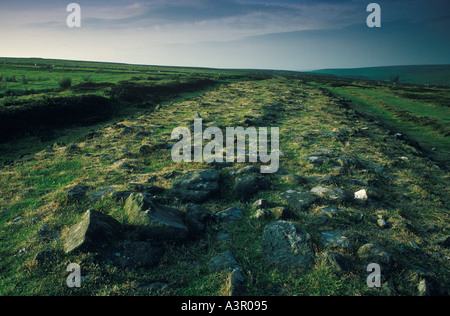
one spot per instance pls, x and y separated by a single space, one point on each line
432 74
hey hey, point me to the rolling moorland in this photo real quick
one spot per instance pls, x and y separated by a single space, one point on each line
426 75
87 177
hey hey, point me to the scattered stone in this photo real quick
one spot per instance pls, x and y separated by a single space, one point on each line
294 179
444 242
223 236
260 204
77 192
93 231
138 254
73 150
230 215
47 234
146 188
196 219
329 212
281 212
327 179
153 220
218 164
145 150
223 261
317 160
372 253
21 252
197 186
349 162
151 179
235 283
337 260
298 200
247 186
382 222
45 257
358 218
170 175
361 195
334 239
123 165
262 214
156 287
197 116
98 195
287 245
327 192
17 220
143 134
127 131
325 151
161 146
121 195
424 288
248 170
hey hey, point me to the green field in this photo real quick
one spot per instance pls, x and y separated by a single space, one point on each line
425 75
109 132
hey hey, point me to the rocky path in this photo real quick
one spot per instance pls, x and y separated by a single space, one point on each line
348 193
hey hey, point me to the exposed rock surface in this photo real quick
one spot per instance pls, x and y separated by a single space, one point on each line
298 200
93 231
155 221
287 245
197 186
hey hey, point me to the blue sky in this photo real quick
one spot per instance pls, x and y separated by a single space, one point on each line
281 34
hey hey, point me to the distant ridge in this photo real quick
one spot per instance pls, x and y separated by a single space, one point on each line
423 74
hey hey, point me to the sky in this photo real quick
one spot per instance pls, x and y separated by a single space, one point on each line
257 34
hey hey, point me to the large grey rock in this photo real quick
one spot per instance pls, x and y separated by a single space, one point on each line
153 220
93 231
197 186
298 200
287 245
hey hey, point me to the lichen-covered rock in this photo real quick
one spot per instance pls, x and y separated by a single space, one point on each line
298 200
196 186
287 245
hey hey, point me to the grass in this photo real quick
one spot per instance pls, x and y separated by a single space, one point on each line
412 191
426 122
